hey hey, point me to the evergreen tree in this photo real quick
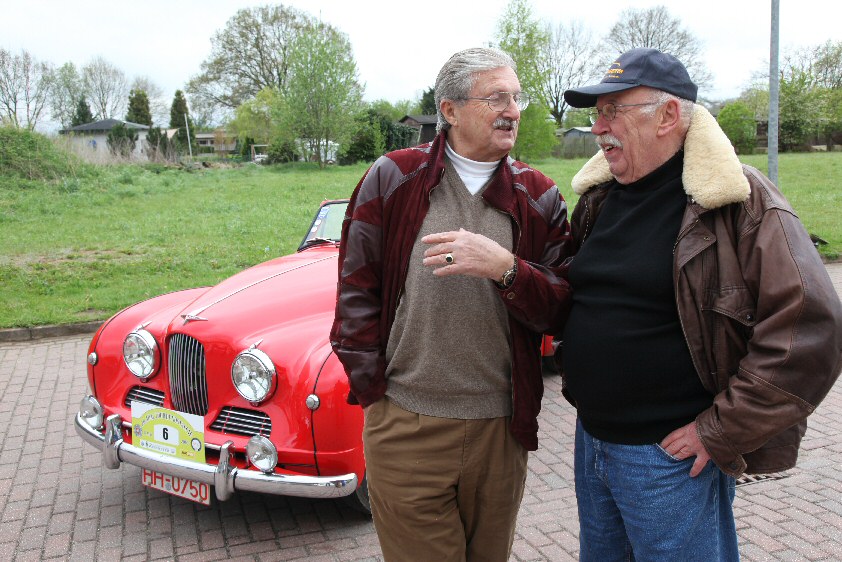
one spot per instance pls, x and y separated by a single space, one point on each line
245 148
139 108
178 113
83 114
158 146
428 102
122 140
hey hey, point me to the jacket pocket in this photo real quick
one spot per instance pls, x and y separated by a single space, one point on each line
736 303
731 318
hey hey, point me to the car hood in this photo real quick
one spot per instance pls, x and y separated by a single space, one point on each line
294 294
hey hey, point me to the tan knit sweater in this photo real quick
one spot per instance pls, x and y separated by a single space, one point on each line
449 353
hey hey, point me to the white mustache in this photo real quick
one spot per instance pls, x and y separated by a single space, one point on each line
503 123
608 138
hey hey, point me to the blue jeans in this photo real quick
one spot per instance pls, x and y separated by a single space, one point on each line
636 502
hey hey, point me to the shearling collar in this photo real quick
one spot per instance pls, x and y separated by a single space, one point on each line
712 177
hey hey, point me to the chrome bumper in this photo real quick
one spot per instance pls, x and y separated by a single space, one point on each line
225 478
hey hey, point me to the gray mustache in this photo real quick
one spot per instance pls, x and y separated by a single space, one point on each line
608 138
503 123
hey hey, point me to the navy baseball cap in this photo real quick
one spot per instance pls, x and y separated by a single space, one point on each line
638 67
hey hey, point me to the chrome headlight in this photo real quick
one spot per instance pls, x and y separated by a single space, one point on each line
253 374
141 354
91 412
262 453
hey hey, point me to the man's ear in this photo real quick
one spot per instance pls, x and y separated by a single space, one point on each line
448 109
670 117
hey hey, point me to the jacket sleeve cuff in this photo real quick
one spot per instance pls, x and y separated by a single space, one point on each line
721 452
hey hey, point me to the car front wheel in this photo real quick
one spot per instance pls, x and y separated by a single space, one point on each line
358 501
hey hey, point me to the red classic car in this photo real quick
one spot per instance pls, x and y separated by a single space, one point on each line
233 386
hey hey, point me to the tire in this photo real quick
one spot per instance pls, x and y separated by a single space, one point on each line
548 366
358 501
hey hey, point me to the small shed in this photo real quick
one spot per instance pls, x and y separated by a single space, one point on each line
426 125
577 142
93 136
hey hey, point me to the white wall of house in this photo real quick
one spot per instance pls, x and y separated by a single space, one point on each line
98 143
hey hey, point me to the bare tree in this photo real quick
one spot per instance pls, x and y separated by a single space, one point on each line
567 62
656 28
207 114
25 86
823 64
249 54
158 105
828 64
106 88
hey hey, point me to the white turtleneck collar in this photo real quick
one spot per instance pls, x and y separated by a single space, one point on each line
472 173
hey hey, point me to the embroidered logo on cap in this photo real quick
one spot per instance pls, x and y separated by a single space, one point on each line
614 72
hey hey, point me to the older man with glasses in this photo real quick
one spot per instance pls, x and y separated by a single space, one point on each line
448 276
704 328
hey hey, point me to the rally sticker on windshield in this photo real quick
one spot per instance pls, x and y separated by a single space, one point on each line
168 432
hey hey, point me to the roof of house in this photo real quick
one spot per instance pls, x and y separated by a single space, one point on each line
421 119
579 130
103 125
213 134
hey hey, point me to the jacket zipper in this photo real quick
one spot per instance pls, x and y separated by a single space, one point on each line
676 274
587 222
511 342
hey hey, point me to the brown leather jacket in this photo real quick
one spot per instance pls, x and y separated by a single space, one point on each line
761 317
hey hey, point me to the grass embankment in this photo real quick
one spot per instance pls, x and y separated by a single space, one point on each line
81 242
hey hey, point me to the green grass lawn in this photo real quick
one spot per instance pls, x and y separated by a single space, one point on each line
83 247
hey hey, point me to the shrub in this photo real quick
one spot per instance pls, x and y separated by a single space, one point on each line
158 146
737 121
280 152
121 141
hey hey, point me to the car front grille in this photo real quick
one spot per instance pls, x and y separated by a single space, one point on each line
240 421
188 382
145 395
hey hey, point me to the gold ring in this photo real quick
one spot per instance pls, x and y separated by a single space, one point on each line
448 258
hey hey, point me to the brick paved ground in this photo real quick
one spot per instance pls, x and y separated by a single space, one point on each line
57 502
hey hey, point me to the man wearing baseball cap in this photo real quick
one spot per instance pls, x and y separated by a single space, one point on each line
704 327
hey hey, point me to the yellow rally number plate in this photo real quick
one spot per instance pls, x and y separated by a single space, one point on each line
172 433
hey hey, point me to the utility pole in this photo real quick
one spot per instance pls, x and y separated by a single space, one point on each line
187 126
774 94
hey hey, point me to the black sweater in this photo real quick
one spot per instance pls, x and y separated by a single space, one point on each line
626 361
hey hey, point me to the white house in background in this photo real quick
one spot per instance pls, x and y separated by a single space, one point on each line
93 136
218 142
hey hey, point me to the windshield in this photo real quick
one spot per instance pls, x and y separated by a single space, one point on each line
327 225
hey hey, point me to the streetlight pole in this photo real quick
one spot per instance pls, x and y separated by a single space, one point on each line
774 92
187 127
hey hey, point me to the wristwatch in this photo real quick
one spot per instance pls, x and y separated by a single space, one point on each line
508 276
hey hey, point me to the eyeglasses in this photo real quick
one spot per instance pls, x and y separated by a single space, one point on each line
499 101
609 110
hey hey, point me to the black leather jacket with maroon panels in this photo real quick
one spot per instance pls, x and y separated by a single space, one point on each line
761 317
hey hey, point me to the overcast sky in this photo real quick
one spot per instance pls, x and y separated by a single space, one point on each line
399 46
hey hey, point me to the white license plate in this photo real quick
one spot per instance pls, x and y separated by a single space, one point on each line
198 492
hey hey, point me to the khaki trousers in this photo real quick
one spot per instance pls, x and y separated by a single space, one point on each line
442 489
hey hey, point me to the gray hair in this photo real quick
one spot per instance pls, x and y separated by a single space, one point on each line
661 97
459 73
